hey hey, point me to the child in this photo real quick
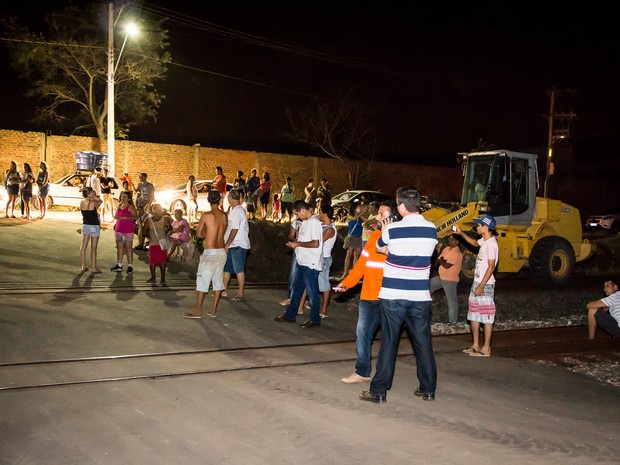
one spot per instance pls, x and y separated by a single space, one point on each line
276 213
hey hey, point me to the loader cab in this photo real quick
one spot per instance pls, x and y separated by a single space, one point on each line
507 181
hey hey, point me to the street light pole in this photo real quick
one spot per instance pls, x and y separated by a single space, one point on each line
111 160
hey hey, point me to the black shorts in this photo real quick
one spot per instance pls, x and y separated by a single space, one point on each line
264 199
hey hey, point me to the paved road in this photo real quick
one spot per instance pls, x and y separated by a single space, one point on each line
242 389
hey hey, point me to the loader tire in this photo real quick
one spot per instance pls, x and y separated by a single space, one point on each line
552 262
468 265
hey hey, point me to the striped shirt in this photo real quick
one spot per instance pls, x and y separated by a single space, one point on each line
613 302
411 244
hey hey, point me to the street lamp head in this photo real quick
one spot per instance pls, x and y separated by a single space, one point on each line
131 29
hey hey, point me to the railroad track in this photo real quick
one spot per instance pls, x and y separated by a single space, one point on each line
555 345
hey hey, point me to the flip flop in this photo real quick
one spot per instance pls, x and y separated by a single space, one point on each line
469 350
211 316
238 299
191 317
479 354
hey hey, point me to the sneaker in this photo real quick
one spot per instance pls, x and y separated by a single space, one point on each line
117 268
129 269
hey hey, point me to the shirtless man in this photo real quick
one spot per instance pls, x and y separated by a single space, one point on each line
211 229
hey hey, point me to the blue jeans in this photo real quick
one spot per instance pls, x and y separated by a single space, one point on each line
291 276
367 323
308 279
417 317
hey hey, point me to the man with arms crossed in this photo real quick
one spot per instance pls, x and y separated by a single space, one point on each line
211 229
405 297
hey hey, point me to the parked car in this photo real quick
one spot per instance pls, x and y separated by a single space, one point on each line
609 221
175 198
66 191
342 201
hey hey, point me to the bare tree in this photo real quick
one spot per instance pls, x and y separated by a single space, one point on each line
339 130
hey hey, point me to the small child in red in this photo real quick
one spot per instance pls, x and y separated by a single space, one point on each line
276 213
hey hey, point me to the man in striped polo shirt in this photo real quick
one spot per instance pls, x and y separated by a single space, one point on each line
405 297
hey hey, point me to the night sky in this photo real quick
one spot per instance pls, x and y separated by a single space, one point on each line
434 80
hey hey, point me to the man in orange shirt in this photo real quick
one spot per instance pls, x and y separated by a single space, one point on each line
449 262
370 267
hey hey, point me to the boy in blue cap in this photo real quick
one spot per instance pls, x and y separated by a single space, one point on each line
481 303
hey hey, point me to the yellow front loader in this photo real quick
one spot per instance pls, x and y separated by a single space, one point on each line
540 234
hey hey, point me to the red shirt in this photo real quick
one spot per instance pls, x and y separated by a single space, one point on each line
220 183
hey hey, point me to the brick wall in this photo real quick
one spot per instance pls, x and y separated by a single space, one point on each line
168 165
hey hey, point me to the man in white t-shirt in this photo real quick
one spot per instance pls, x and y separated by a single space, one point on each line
308 249
605 312
481 296
237 239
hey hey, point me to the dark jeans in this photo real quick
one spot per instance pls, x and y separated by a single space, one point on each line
287 207
291 276
308 279
416 315
367 323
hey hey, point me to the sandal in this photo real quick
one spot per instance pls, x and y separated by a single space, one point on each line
469 350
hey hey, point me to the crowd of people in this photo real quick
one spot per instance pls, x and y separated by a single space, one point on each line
19 186
390 249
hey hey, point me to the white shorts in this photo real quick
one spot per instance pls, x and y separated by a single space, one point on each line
211 270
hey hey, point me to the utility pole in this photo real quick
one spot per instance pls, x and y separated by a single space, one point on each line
555 133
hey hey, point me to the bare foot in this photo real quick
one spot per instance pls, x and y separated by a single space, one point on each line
224 295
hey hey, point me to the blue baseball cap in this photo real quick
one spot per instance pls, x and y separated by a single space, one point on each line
486 220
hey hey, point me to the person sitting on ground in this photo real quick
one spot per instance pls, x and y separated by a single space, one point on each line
180 232
605 312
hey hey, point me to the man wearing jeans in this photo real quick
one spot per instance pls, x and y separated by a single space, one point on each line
370 267
309 257
405 297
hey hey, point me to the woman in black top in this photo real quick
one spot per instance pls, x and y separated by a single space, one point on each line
90 228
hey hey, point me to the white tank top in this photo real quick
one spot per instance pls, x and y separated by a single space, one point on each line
328 245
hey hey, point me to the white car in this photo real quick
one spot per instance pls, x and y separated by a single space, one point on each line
341 202
66 191
176 198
